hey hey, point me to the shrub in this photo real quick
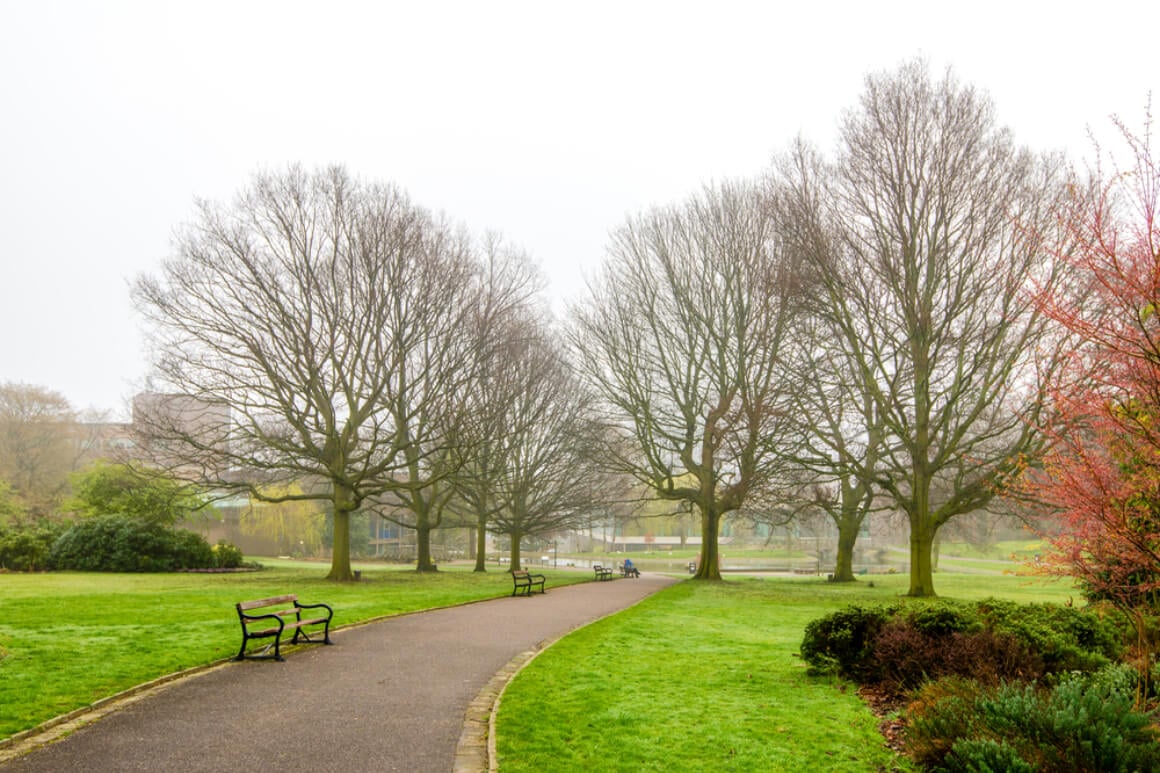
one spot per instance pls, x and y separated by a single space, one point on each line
1067 638
904 657
1084 724
942 618
843 642
939 715
984 755
903 646
227 555
118 543
26 548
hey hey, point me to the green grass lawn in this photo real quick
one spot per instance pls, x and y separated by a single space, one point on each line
704 676
68 639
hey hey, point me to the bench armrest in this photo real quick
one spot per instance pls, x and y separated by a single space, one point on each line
329 611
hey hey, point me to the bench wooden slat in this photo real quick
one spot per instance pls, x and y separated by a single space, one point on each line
243 605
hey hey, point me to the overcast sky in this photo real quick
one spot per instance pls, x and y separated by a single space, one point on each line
548 122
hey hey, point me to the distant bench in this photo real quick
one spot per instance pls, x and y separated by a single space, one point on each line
272 623
602 572
523 582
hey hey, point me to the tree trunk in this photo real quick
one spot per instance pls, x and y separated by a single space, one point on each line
922 533
844 563
340 553
423 543
481 545
709 567
515 564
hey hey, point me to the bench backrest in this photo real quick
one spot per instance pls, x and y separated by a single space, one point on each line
519 572
272 601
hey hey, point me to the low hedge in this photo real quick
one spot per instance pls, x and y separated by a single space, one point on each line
904 645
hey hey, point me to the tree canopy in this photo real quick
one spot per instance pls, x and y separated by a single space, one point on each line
681 338
924 234
314 332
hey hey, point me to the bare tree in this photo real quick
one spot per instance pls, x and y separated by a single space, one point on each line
546 476
840 431
460 361
924 235
682 337
490 420
39 445
312 330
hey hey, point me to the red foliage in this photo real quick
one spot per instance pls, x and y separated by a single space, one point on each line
1102 474
905 658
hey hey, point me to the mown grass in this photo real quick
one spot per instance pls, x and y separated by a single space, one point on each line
704 676
1009 550
68 639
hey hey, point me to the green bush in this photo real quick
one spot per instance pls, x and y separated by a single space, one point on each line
843 641
903 645
119 543
984 755
227 555
26 548
1067 638
1084 724
942 618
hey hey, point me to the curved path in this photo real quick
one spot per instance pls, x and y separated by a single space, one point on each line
395 695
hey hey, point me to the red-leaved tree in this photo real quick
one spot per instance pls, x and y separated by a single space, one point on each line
1102 474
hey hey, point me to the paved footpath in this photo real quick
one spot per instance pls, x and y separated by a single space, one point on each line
403 694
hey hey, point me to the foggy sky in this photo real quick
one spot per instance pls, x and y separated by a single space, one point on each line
547 122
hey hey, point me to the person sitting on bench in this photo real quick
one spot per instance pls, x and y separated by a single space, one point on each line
630 570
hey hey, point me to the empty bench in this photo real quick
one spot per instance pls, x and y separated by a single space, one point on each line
523 582
602 572
278 615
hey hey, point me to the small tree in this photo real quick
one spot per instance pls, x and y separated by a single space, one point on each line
106 488
11 508
1102 477
38 446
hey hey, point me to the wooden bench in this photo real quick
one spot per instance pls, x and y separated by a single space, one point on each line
602 572
629 571
523 582
280 614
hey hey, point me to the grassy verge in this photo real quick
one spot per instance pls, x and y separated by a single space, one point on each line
704 676
69 639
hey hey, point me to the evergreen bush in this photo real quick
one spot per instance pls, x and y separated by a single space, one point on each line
1085 724
27 548
843 642
901 646
119 543
227 555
